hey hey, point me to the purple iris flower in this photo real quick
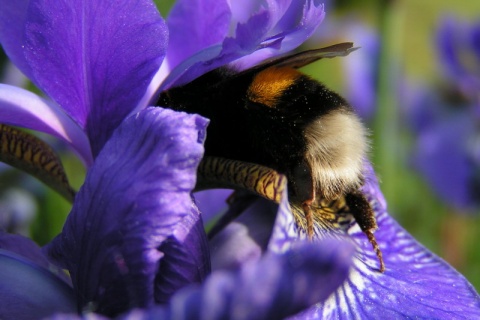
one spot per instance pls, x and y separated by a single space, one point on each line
447 117
134 242
458 44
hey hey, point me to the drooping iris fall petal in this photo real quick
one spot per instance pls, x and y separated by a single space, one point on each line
416 283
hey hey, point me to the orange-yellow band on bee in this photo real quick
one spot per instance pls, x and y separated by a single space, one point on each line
268 85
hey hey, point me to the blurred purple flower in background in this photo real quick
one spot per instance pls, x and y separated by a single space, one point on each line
458 45
446 118
360 70
135 238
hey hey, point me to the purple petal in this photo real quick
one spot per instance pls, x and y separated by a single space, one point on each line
278 286
416 283
474 40
19 107
422 106
134 198
12 26
449 44
242 10
212 203
261 36
459 48
293 28
274 288
245 239
195 25
285 230
28 249
95 59
187 258
89 316
28 291
24 247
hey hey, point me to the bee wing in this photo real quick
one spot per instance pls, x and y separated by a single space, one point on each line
304 58
295 60
298 60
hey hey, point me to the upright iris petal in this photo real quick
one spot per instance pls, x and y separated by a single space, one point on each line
12 19
95 69
85 49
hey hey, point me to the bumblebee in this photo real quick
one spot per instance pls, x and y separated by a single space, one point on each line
272 116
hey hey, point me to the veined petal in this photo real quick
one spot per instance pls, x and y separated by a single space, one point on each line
273 288
248 38
255 39
285 230
416 283
12 26
19 107
28 291
133 199
98 68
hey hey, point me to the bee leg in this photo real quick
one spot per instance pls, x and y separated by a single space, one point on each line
307 209
365 217
302 190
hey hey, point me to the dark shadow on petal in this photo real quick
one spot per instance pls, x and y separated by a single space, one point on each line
186 258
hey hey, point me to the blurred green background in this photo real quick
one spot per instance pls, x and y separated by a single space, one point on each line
406 32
